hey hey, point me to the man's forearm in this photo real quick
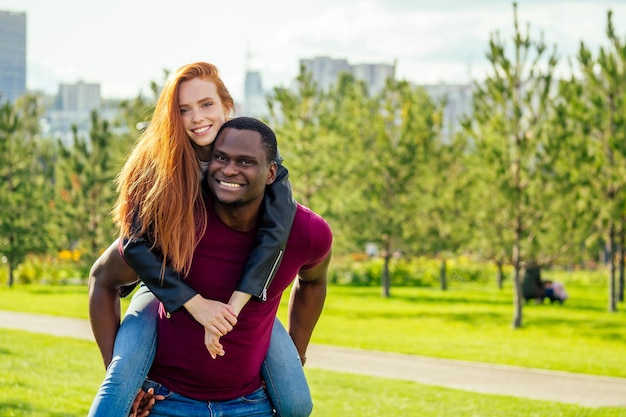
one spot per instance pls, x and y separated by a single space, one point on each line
305 307
108 274
104 316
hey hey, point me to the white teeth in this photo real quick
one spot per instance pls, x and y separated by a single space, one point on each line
229 184
201 130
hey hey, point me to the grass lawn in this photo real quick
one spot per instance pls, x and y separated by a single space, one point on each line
48 376
467 322
44 376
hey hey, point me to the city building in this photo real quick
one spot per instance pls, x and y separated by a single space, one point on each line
255 98
73 105
325 72
12 55
458 104
78 97
458 97
374 75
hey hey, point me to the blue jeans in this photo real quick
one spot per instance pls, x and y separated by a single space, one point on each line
256 404
135 348
133 353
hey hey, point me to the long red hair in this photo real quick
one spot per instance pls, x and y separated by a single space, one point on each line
159 185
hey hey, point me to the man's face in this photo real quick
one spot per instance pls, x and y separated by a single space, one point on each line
238 170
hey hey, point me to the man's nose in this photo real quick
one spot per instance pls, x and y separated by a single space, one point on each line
230 168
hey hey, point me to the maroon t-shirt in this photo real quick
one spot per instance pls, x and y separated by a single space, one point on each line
182 361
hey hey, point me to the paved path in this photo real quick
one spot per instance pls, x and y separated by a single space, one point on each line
586 390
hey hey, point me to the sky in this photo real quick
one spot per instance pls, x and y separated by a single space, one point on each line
126 44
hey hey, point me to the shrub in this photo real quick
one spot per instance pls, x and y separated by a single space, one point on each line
410 272
51 269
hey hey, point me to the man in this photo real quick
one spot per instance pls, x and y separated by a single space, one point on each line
192 382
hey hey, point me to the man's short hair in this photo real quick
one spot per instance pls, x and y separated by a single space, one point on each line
267 134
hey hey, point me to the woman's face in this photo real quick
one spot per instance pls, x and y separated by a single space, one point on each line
202 113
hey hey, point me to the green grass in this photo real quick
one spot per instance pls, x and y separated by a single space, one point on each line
43 376
475 323
467 322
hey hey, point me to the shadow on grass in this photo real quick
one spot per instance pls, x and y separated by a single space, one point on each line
16 408
606 330
431 295
468 317
57 289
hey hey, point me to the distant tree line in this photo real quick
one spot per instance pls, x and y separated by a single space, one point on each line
535 175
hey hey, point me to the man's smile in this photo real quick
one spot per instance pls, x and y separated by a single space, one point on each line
229 184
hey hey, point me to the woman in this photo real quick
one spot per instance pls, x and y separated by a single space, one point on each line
159 203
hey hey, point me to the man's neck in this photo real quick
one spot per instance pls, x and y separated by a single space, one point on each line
241 218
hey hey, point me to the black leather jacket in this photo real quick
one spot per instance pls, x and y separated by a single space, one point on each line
277 213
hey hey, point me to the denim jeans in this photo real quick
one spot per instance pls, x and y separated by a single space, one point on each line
284 377
135 348
133 353
256 404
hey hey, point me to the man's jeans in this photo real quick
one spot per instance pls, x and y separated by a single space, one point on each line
256 404
135 348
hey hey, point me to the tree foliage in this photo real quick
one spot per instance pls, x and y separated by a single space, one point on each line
600 114
508 130
23 186
535 176
86 192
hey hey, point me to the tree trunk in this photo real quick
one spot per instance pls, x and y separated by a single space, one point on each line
443 280
11 260
10 266
517 276
611 249
499 275
622 250
386 279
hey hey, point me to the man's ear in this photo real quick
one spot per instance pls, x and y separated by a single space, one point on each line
271 173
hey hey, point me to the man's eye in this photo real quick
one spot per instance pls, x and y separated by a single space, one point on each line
219 158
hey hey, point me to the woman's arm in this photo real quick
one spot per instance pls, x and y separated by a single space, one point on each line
164 282
277 214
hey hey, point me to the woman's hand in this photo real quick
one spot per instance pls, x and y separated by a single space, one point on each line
217 319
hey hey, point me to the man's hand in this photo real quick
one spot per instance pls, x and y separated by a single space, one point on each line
217 319
144 401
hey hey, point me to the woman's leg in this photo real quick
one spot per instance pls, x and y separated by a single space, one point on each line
284 377
133 353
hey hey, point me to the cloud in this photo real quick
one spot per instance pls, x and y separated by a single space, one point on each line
126 44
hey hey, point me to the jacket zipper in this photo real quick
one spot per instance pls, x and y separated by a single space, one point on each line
271 274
